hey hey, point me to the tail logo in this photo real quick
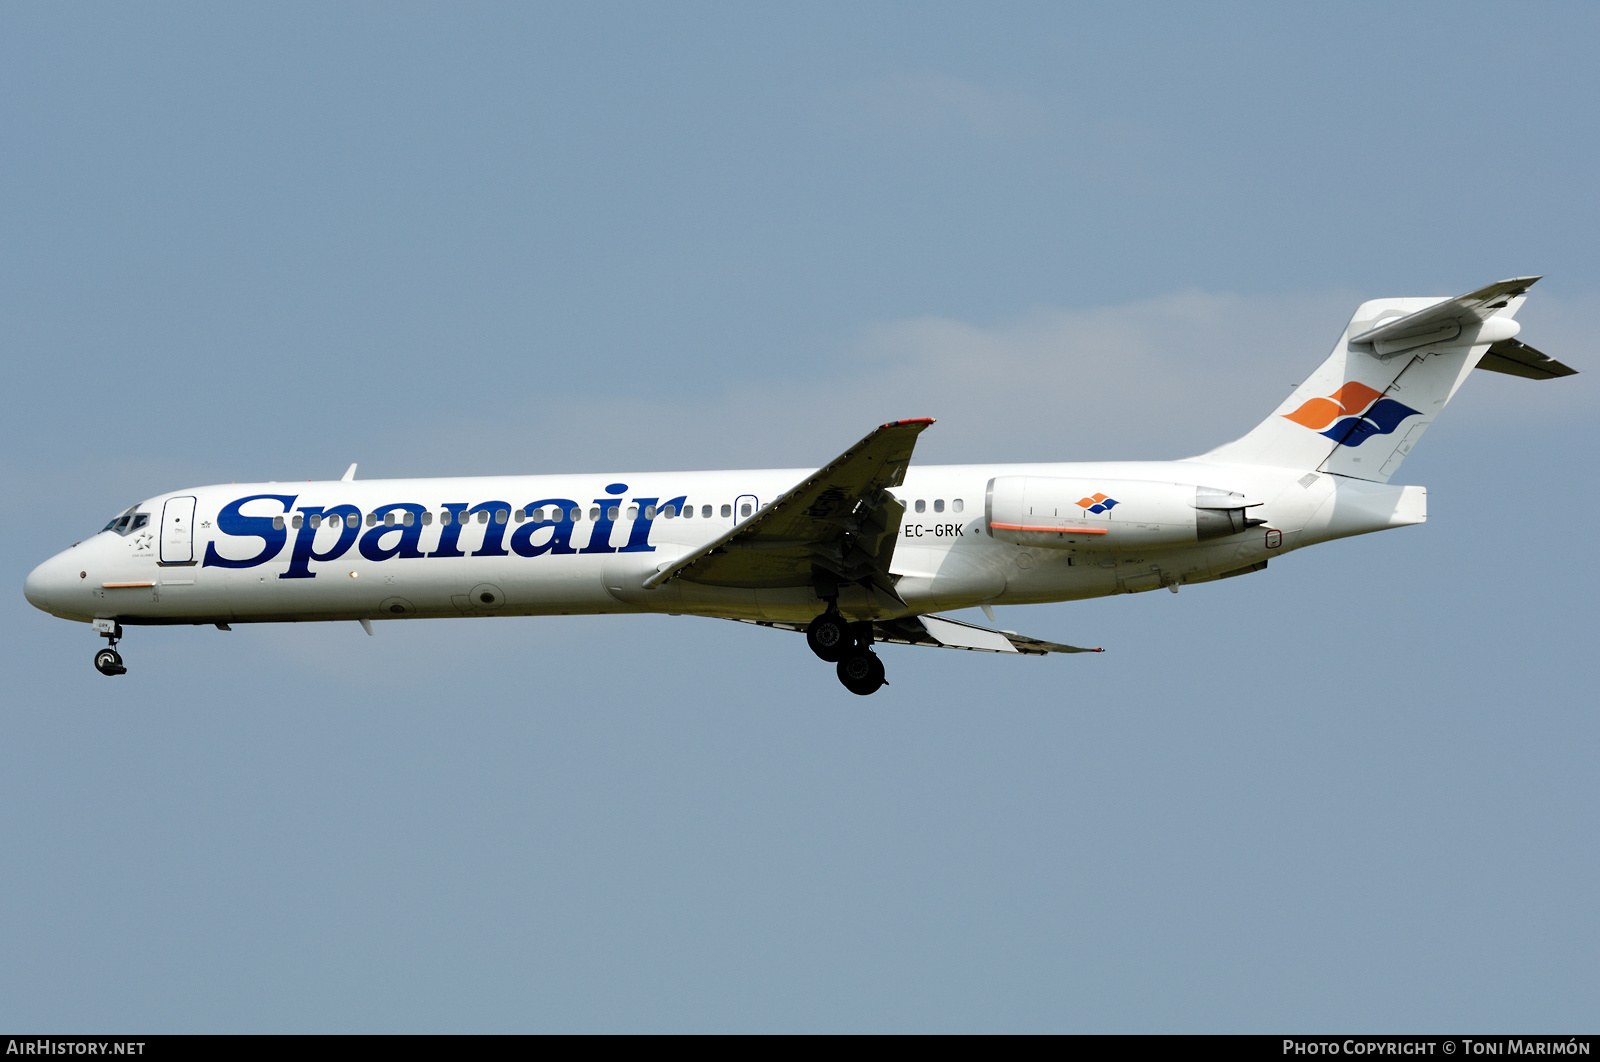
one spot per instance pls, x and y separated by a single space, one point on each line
1097 503
1352 414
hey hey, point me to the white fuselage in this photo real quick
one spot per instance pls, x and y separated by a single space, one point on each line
262 560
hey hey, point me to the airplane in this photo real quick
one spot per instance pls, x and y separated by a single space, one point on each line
867 549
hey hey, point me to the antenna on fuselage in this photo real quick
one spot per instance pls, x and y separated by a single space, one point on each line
349 474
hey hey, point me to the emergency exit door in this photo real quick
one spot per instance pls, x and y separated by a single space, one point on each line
177 531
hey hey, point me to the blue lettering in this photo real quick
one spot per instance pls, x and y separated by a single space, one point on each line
450 533
639 535
495 531
560 540
371 543
305 542
231 522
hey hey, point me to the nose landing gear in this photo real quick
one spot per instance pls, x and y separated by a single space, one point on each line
108 661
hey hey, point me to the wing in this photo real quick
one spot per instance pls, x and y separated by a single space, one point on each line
838 526
946 633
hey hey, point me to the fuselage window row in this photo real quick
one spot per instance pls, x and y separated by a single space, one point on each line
130 521
956 505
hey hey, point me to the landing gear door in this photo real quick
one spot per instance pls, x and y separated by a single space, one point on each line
177 531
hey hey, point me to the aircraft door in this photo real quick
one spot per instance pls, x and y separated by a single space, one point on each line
177 531
744 507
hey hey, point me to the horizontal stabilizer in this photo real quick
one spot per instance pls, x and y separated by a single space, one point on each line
1439 323
942 632
1515 358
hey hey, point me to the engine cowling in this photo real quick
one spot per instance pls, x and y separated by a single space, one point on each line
1111 514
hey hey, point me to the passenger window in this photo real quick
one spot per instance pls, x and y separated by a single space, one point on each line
744 510
519 515
955 506
444 517
688 512
594 512
921 505
277 523
727 510
427 518
502 515
537 516
316 521
388 519
372 519
669 511
705 512
576 514
613 512
938 505
649 512
294 521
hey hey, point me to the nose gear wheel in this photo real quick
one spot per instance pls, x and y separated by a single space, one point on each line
109 662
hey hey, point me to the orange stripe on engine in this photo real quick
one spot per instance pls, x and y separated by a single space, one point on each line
1053 530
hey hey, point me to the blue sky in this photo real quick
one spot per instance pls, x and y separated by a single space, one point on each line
1355 792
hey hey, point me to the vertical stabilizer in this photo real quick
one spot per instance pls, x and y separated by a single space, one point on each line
1393 370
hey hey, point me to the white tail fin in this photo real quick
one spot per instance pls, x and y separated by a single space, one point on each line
1397 364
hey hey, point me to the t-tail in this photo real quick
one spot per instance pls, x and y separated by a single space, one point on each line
1392 372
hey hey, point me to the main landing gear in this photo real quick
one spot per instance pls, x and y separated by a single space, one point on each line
849 647
108 661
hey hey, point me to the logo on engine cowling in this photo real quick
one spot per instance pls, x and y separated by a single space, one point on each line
1097 503
1352 414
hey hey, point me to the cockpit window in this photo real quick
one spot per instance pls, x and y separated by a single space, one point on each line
127 522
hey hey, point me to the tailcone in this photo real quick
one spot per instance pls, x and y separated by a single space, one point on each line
1358 507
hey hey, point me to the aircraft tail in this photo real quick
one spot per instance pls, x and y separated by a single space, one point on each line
1393 370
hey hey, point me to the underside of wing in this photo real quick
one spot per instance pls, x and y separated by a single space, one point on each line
838 526
942 632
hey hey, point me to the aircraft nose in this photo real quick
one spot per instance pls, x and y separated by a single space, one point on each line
47 585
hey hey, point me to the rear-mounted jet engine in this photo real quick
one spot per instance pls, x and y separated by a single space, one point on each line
1111 514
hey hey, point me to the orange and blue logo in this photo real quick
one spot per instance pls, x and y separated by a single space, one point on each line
1352 414
1097 503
